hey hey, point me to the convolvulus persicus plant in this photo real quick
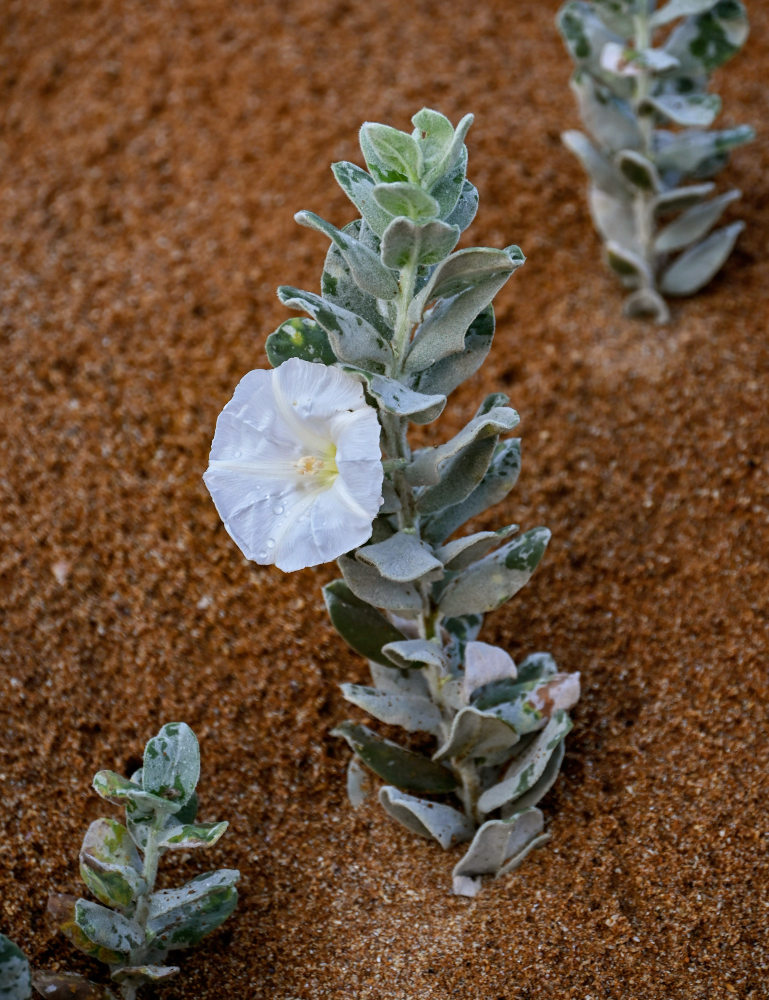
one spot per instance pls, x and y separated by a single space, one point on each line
312 461
133 927
642 93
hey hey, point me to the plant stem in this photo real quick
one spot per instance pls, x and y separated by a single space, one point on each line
643 207
129 988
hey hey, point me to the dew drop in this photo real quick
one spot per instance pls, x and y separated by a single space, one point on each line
277 509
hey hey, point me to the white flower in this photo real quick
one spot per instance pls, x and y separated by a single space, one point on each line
295 468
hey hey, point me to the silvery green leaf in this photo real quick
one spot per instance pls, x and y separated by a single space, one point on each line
481 736
693 224
486 664
463 629
359 188
338 286
464 271
427 819
679 199
428 464
686 109
697 153
646 303
531 711
390 155
413 713
368 584
185 836
708 39
110 864
403 558
409 200
362 627
406 243
613 217
638 170
541 787
352 338
608 119
393 680
171 765
67 986
617 15
446 187
444 376
626 60
461 552
451 158
459 476
679 8
411 654
499 846
145 973
393 763
115 788
299 337
179 918
528 766
585 34
537 665
367 269
629 265
358 783
464 211
61 909
699 263
110 933
15 982
434 134
499 479
599 168
395 397
493 580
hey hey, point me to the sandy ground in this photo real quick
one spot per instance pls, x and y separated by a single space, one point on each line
153 155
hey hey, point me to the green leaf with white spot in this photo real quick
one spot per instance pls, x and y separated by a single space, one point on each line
179 918
299 337
15 982
393 396
171 765
359 188
68 986
390 155
185 837
110 864
705 41
599 167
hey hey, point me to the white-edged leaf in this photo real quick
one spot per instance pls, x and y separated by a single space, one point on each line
679 8
697 110
367 269
628 264
598 167
413 713
478 735
402 558
693 224
461 552
370 586
694 268
499 846
613 217
428 819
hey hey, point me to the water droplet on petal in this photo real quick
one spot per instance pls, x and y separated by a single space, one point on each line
277 509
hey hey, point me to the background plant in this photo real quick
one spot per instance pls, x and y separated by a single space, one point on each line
642 91
133 927
408 319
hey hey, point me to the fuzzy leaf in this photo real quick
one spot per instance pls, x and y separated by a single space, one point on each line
442 159
613 217
171 766
699 264
189 835
394 397
352 338
496 578
679 8
598 167
679 199
409 200
368 584
706 40
638 170
338 286
115 788
68 986
367 269
461 552
299 337
696 153
499 479
359 188
499 846
478 735
406 243
179 918
693 224
586 35
434 134
629 265
444 376
145 973
646 303
528 766
446 186
97 931
464 211
412 712
686 109
361 626
393 680
427 819
411 654
110 864
401 767
15 982
390 155
402 558
541 787
608 119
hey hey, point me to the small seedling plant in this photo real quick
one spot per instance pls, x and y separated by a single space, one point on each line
134 926
641 83
312 461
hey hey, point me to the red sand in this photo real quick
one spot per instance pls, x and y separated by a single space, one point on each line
153 155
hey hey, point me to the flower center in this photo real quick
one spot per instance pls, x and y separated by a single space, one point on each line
318 470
